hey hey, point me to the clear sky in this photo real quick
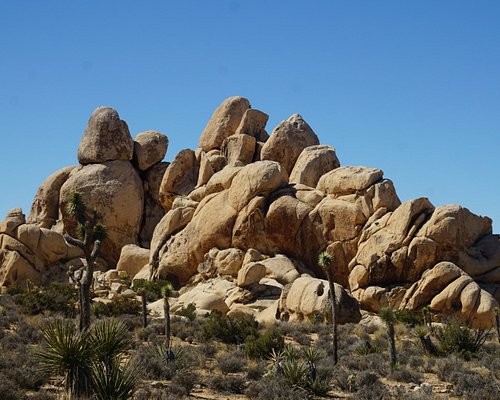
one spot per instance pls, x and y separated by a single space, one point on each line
411 87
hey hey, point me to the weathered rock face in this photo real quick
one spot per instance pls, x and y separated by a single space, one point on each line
224 122
312 164
106 138
149 148
309 298
287 141
115 190
240 222
45 207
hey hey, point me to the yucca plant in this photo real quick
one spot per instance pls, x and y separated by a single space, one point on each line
69 353
312 355
90 235
162 351
113 381
290 353
109 338
295 372
389 317
325 261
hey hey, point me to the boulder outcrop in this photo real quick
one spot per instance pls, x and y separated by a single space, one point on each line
238 223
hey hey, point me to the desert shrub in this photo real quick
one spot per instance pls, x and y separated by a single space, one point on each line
146 392
208 349
229 330
152 331
117 308
405 374
55 297
226 383
188 311
256 370
188 331
273 388
182 384
456 338
345 379
408 317
263 345
231 362
153 364
373 391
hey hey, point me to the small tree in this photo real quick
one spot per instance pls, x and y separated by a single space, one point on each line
90 235
325 261
387 314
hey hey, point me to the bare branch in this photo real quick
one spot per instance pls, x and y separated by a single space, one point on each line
74 242
95 250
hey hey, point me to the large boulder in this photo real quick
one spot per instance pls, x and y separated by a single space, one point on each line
45 207
115 190
16 270
309 298
106 138
132 259
253 124
180 177
314 162
223 123
149 148
287 141
12 221
348 179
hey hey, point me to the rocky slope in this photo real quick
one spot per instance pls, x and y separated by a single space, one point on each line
239 223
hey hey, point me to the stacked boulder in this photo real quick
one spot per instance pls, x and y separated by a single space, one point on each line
238 223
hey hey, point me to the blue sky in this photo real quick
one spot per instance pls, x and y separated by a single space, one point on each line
412 88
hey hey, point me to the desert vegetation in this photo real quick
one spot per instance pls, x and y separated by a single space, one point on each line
45 356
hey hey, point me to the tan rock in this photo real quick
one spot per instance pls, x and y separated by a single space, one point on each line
281 268
12 221
249 227
132 259
51 246
229 261
115 190
106 138
239 148
287 141
309 297
456 226
259 178
252 255
253 123
250 273
221 180
310 197
314 162
45 207
211 227
16 271
283 221
223 123
206 170
149 148
345 180
180 177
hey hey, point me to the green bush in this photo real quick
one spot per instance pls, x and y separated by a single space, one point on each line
189 311
117 308
229 330
456 338
55 297
263 345
408 317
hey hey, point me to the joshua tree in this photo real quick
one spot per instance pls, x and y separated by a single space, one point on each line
166 292
497 323
387 314
325 261
142 292
90 234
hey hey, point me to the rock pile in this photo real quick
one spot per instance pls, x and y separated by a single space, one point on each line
239 222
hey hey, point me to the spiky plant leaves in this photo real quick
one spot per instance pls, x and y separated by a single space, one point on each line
67 352
387 314
76 207
325 261
295 372
100 232
162 351
167 290
109 338
115 381
312 354
290 353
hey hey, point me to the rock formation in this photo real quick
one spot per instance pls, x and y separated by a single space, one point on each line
238 224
